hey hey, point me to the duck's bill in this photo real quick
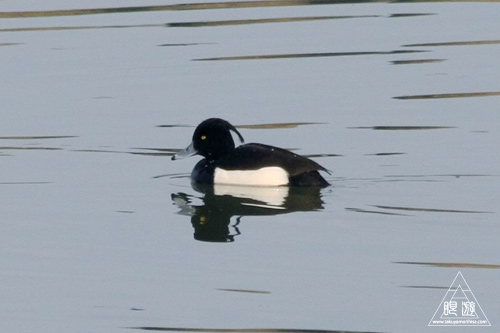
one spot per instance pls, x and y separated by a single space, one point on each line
189 151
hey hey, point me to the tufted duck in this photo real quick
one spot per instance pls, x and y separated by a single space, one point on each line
251 164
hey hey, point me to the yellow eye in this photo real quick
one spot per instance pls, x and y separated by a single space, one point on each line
203 137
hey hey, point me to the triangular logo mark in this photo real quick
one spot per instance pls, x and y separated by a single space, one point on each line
459 307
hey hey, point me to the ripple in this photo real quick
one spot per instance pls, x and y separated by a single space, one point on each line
462 43
245 291
385 154
432 210
277 125
25 183
307 55
258 126
359 210
173 7
261 21
416 61
28 148
37 137
401 128
449 264
239 330
83 27
451 95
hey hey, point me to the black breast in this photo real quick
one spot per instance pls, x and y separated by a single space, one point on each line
203 172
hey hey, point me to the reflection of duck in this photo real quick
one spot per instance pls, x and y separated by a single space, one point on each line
211 220
249 164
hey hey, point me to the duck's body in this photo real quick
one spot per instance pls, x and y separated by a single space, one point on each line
249 164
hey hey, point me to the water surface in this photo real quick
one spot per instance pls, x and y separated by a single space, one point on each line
102 232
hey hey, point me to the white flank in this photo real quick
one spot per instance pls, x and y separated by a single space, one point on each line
269 176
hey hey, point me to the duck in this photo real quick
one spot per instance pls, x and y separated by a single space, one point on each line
250 164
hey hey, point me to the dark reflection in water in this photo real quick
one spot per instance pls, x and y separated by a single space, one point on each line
202 6
146 152
198 24
360 210
31 146
212 219
25 183
416 61
28 148
449 264
177 7
239 330
308 55
401 128
399 15
245 291
37 137
451 95
425 287
385 154
276 125
389 210
462 43
183 44
174 7
439 176
82 27
431 210
258 126
261 21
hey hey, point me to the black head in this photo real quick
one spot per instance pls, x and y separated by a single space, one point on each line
211 139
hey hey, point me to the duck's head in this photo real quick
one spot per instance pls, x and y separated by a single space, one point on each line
211 139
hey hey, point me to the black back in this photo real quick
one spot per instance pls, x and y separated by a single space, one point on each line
253 156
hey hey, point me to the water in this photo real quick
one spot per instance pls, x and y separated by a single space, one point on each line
101 232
